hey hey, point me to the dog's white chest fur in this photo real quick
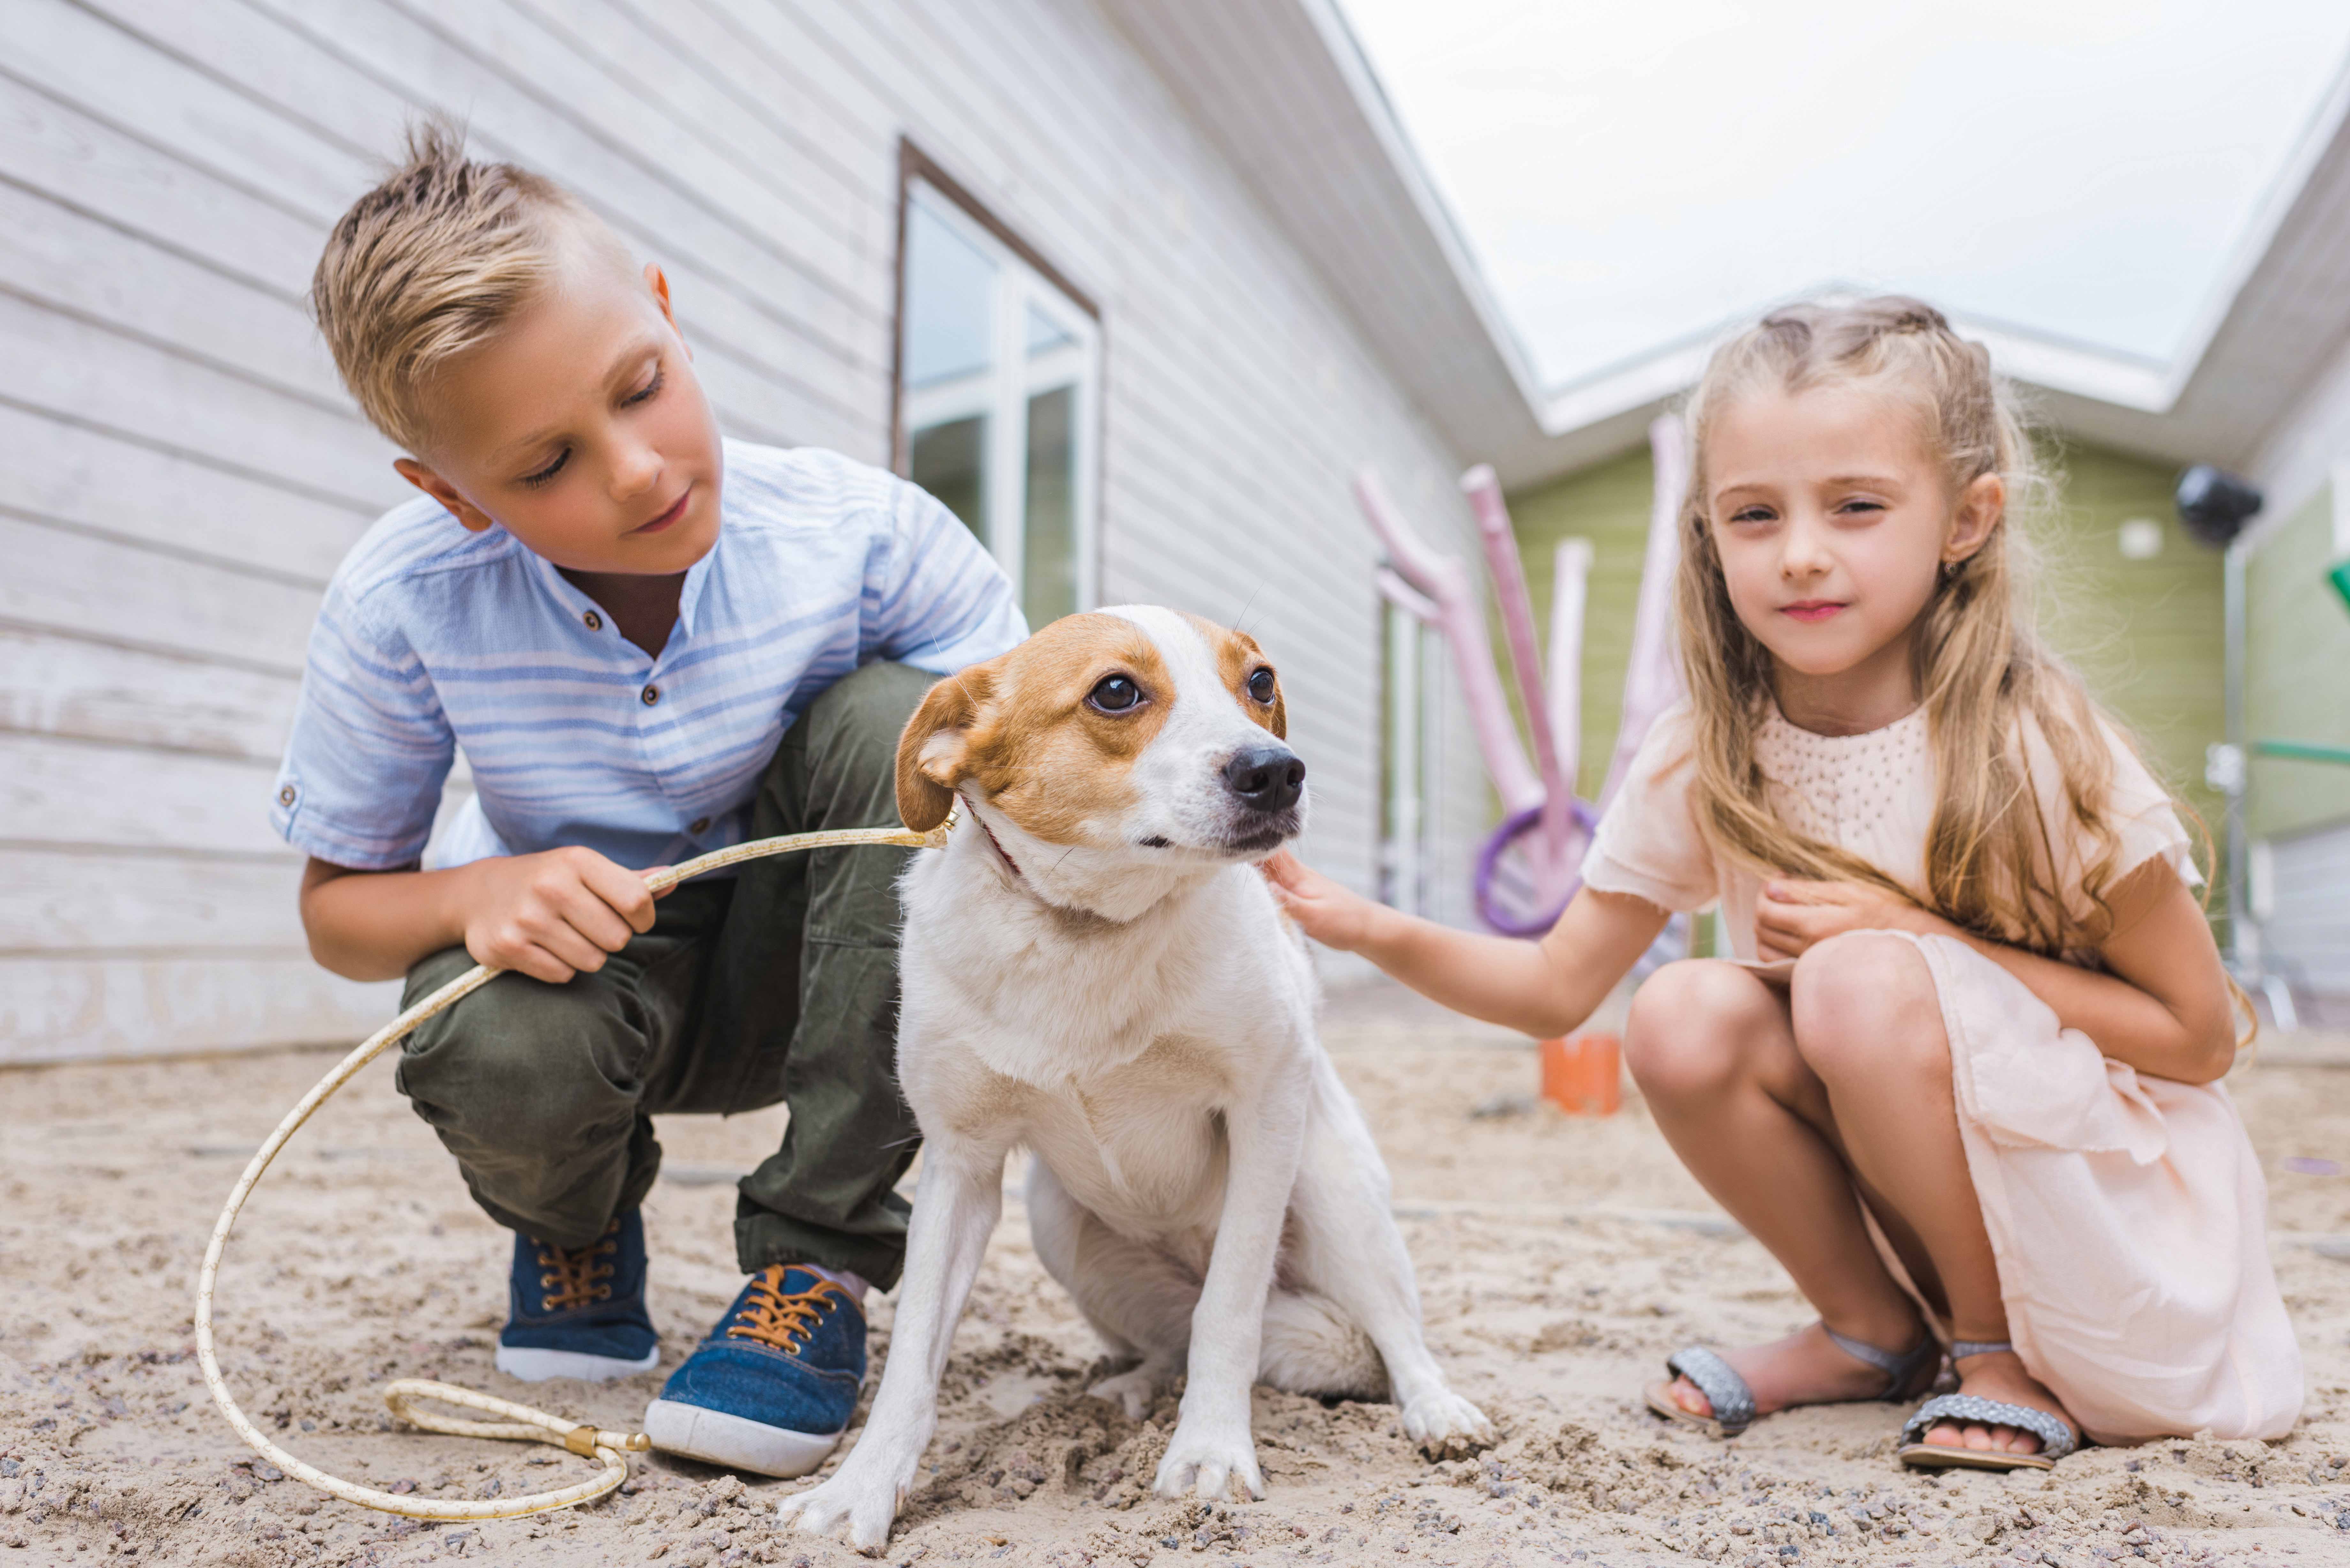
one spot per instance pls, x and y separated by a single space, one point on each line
1110 1049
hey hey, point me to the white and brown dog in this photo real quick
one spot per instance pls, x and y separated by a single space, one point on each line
1094 970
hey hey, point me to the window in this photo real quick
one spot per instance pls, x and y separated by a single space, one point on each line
999 387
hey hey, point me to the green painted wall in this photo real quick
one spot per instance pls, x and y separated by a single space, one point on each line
2146 635
1607 504
2297 671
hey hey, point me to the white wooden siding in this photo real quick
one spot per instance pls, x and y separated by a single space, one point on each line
2308 928
182 470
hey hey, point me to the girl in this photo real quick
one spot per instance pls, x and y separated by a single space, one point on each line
1962 1077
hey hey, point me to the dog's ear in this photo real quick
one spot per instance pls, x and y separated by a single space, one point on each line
934 752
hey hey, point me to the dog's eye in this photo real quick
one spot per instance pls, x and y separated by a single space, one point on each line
1114 693
1261 686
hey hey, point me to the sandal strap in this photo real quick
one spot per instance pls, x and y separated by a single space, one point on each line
2056 1438
1732 1401
1962 1348
1900 1368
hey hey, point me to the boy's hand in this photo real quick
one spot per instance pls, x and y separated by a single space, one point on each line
1329 913
554 915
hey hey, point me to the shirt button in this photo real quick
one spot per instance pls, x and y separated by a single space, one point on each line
286 795
698 826
595 622
651 694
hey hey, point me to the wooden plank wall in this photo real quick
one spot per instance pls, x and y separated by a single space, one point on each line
182 470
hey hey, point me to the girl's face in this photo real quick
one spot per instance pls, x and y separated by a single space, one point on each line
1832 520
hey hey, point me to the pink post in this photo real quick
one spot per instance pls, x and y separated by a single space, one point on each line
1484 492
1460 615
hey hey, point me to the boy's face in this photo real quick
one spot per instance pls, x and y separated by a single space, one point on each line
581 429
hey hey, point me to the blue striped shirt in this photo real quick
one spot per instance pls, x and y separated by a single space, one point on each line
432 638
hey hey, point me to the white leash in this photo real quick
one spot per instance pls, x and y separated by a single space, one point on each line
522 1423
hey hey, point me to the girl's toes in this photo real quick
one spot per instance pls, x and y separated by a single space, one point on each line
2022 1443
1979 1439
1687 1396
1945 1436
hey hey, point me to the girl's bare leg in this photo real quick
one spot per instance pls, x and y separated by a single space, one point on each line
1868 1023
1713 1050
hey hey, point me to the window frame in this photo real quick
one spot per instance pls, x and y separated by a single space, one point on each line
921 179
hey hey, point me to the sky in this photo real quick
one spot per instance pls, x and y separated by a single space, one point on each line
1632 173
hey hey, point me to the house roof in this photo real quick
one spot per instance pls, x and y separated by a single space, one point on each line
1284 86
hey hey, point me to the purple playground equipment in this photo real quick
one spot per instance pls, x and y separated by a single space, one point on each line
1532 864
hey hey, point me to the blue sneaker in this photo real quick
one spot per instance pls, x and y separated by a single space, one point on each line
579 1313
772 1388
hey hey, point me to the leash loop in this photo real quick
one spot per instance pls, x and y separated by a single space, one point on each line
523 1423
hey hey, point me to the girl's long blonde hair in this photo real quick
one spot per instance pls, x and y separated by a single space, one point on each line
1983 674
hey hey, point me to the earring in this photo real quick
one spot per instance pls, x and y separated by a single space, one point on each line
1951 569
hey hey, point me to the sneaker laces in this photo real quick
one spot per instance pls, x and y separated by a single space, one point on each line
571 1276
779 1319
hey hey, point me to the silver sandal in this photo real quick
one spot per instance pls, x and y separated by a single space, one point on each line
2056 1438
1734 1402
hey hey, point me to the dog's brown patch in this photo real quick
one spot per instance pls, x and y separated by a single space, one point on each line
1238 657
1020 728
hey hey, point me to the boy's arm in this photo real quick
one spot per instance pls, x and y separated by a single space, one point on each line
1544 988
549 916
940 600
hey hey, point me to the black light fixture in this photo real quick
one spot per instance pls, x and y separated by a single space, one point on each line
2215 504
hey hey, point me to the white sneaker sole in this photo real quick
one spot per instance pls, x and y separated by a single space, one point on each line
535 1366
736 1442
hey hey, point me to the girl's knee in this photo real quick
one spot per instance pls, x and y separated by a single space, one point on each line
1688 1025
1864 1001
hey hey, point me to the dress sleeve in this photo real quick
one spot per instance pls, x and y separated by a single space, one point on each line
934 597
1649 845
369 748
2144 816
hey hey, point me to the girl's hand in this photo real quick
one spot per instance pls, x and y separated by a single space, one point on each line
1792 914
1329 913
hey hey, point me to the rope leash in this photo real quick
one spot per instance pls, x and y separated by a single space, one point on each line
522 1423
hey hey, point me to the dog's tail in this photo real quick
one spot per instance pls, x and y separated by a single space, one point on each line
1311 1348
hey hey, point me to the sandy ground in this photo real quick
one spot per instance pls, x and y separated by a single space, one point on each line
1560 1259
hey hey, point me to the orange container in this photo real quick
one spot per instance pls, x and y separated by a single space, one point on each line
1583 1074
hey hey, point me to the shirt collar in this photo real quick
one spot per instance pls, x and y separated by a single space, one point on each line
689 595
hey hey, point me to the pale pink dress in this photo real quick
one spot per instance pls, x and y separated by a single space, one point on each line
2128 1212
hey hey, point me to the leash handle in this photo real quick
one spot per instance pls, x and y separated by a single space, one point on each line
523 1423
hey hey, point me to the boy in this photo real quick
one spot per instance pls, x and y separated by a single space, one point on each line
651 644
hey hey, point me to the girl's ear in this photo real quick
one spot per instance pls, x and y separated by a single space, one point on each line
1981 506
934 751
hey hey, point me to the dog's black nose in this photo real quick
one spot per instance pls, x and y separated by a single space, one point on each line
1266 778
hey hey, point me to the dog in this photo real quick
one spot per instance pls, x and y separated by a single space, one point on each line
1093 970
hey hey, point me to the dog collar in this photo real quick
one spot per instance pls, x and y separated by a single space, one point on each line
996 844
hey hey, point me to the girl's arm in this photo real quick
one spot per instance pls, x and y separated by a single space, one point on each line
2163 1007
1544 988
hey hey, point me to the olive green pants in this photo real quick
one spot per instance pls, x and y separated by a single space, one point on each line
778 983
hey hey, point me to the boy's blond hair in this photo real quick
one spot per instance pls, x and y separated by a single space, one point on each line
433 261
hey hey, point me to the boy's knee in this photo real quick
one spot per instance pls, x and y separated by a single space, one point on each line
1686 1023
867 708
523 1064
1865 999
851 730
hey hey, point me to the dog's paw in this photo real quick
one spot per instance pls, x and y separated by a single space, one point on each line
1133 1389
1446 1426
1202 1462
864 1501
